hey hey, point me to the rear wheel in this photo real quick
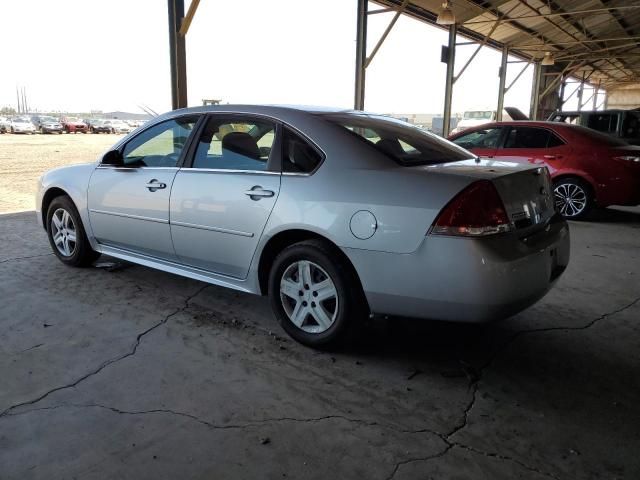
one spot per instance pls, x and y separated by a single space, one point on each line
314 295
573 198
66 234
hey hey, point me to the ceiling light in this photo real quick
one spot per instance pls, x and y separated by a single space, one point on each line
548 59
446 16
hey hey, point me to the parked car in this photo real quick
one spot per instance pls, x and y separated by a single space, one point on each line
46 124
21 125
100 126
475 118
5 125
333 214
588 168
74 125
118 126
623 124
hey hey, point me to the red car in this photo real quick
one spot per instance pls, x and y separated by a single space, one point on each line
74 125
588 168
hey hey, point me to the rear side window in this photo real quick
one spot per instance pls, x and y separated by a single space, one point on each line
603 122
298 156
400 141
235 144
528 137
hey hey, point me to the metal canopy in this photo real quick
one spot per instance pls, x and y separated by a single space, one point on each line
597 39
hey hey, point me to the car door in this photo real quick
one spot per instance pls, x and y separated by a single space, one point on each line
481 141
223 196
533 145
129 201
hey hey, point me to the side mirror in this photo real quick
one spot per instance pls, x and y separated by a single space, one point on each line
112 157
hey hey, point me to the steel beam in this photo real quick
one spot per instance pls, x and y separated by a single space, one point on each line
386 33
502 74
535 91
361 53
177 55
581 92
448 92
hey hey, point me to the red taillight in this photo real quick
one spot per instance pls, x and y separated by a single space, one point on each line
476 211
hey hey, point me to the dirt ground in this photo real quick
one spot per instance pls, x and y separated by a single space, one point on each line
121 371
23 158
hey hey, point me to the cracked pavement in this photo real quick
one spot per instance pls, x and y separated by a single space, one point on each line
127 372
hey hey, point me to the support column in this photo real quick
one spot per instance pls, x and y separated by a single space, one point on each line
535 91
177 55
361 54
503 79
448 91
581 93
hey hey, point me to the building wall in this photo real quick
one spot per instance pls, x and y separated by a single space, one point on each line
626 97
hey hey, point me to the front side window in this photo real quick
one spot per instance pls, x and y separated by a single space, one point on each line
485 138
298 156
235 144
160 145
400 141
528 137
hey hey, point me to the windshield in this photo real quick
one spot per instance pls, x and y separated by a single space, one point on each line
21 120
48 119
478 115
400 141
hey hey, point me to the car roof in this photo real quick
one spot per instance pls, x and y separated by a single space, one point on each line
271 110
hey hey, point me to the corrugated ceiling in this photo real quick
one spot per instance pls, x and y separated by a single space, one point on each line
599 39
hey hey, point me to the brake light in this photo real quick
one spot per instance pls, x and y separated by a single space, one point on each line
476 211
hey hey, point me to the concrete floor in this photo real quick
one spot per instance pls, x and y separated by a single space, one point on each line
127 372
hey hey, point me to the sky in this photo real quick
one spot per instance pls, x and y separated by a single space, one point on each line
87 55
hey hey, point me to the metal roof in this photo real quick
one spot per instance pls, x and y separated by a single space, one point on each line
599 39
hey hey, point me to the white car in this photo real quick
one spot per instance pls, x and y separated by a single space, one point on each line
21 125
118 126
475 118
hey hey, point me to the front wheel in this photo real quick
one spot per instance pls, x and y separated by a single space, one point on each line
66 234
314 294
573 198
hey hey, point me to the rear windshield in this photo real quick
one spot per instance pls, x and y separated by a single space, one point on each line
407 145
600 137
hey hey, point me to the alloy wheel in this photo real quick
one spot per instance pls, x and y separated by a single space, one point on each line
63 232
571 199
309 297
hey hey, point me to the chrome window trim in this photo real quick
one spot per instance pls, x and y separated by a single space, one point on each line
133 217
130 169
213 229
224 170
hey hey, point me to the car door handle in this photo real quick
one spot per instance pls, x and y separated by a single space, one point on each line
552 157
256 193
154 185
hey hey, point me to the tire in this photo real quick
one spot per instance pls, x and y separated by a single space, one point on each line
323 323
41 131
573 197
76 253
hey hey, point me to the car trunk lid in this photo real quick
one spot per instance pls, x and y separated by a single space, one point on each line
526 191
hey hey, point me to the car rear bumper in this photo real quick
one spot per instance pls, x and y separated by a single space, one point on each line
464 279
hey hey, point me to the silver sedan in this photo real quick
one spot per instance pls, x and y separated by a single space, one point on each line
334 215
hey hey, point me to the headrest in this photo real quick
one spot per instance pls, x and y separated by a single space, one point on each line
241 143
